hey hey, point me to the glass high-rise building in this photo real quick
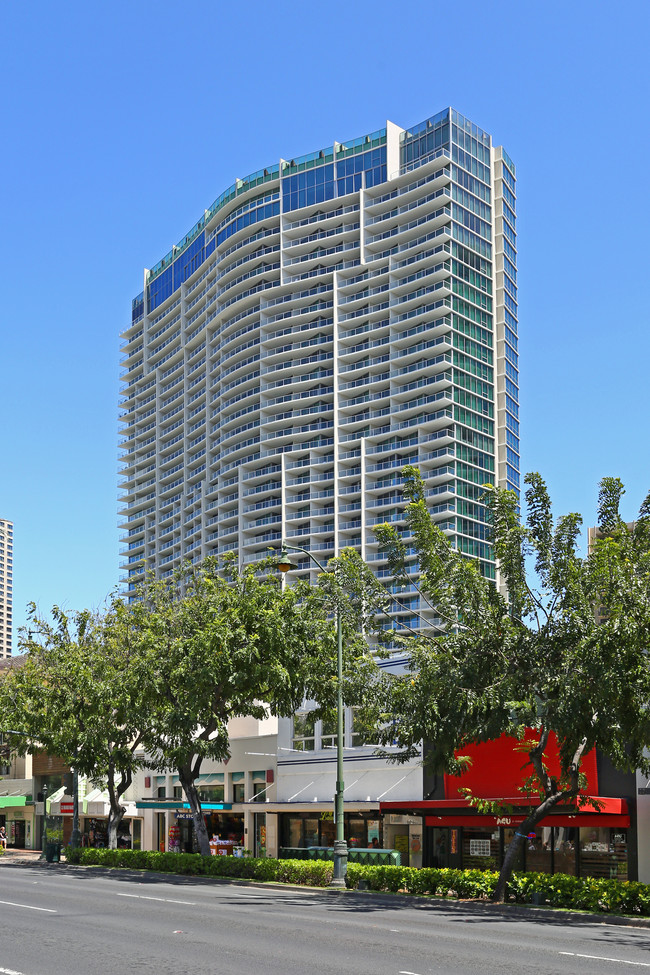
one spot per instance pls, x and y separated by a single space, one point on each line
6 585
328 320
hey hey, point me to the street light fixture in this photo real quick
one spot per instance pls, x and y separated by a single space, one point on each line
340 845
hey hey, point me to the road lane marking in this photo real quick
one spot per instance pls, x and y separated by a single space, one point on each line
408 973
28 907
259 891
619 961
9 971
165 900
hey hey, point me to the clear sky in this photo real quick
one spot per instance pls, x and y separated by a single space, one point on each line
122 122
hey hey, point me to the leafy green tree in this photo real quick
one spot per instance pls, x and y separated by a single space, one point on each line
235 643
557 647
79 696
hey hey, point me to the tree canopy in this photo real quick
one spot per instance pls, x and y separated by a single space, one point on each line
237 643
158 679
557 646
80 696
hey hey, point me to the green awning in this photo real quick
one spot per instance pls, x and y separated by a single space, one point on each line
8 801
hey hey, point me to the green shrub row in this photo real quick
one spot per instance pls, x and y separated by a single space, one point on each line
557 890
312 873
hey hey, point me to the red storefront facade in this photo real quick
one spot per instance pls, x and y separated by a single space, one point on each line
594 837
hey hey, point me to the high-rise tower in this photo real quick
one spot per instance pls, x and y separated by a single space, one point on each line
6 585
328 320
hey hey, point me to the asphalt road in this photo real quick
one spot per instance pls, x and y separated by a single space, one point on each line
79 922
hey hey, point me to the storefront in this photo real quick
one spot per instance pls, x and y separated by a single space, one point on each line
579 842
18 819
593 836
169 824
220 821
94 811
94 833
300 830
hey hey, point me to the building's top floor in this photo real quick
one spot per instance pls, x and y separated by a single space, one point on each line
410 148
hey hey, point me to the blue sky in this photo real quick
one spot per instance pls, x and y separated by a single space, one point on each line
122 122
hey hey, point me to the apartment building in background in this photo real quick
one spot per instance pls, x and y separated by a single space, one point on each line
329 319
6 586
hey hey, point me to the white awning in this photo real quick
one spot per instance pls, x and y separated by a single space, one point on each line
54 804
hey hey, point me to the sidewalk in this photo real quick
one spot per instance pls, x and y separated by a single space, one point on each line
13 855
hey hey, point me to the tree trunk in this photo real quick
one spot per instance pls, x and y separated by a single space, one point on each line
514 846
117 810
115 817
187 779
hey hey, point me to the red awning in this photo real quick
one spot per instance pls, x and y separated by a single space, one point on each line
608 804
578 819
611 811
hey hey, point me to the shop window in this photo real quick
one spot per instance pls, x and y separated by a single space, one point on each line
160 832
238 792
303 731
538 850
603 852
137 834
259 792
210 793
178 792
227 826
357 833
161 792
480 849
327 830
564 858
311 832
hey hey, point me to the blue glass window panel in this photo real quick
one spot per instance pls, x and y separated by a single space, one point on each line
304 189
160 289
137 308
246 219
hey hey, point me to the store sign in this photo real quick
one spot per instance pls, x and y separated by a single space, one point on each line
479 848
395 819
184 815
67 808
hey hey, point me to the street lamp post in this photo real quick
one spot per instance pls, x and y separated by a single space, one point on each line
75 836
44 792
340 844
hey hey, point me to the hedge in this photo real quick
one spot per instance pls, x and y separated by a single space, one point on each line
557 890
312 873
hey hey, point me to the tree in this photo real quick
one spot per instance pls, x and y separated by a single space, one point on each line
233 642
80 696
559 648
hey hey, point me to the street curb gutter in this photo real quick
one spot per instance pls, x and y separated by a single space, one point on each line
523 911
